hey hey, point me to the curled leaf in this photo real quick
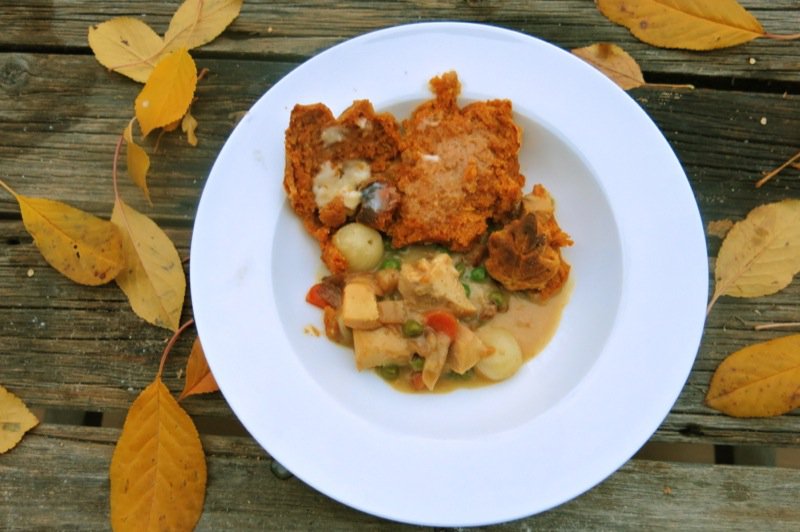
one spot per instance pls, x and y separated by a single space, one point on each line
758 381
15 420
197 22
153 280
81 246
686 24
158 470
719 228
198 375
761 254
138 161
614 62
168 92
126 45
189 126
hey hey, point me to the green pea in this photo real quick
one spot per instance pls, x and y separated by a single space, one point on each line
390 263
478 274
416 363
467 375
467 289
500 300
389 372
412 328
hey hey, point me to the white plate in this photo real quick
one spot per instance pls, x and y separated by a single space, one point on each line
571 416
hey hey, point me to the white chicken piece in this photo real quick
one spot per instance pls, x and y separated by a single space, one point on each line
381 347
433 283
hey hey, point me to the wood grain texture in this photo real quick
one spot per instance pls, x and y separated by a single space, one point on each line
57 479
281 29
69 348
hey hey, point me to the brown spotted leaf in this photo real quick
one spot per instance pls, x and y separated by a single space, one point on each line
688 24
198 375
758 381
760 254
126 45
15 420
158 469
81 246
153 280
614 62
197 22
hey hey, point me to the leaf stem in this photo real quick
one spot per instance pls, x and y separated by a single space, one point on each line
8 188
169 345
114 167
778 170
779 37
779 325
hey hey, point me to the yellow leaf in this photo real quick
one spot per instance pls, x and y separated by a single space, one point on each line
758 381
126 45
138 162
153 281
760 254
614 62
687 24
189 126
168 92
158 470
82 247
15 420
197 22
198 375
719 228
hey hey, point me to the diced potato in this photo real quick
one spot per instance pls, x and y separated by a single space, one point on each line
434 283
381 347
362 246
360 307
392 311
467 350
506 358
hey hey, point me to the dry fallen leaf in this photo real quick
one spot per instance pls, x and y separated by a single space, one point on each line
15 420
198 375
138 161
158 470
153 280
761 254
82 247
168 92
126 45
719 228
189 126
760 380
197 22
614 62
686 24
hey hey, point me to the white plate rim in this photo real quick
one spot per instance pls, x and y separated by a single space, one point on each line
650 311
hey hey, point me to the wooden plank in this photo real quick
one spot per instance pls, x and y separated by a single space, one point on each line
71 347
68 346
282 29
47 146
57 478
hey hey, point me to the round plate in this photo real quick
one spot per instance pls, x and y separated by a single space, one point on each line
572 415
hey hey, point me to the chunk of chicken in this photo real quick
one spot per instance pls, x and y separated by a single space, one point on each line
360 306
433 283
467 350
433 347
392 311
380 347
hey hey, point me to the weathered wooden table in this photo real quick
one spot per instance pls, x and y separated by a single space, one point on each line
79 356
